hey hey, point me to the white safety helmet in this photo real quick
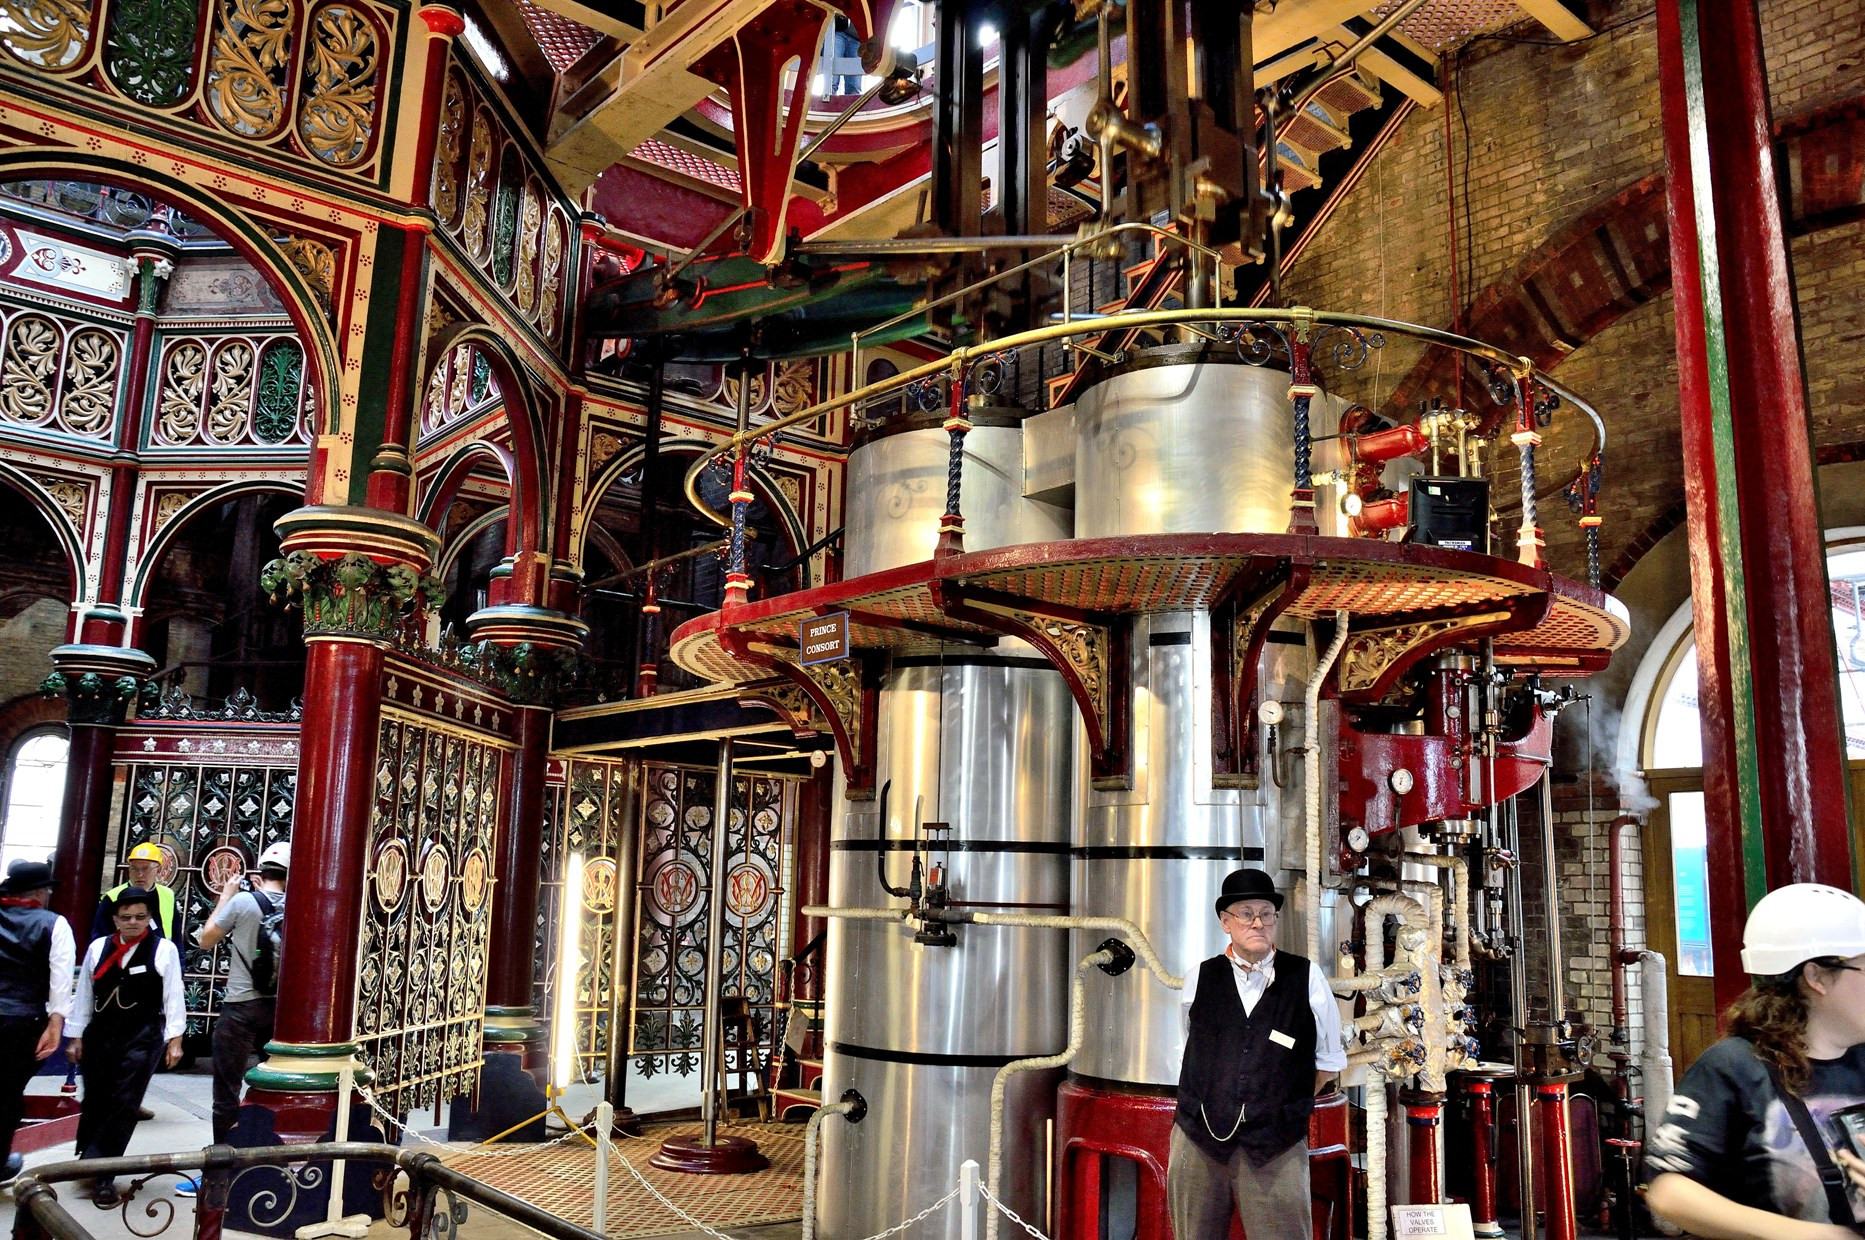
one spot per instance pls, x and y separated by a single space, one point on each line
1800 922
276 854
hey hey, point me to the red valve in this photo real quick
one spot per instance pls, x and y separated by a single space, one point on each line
1383 515
1376 446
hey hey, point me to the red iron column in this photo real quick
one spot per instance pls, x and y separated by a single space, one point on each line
1774 758
359 576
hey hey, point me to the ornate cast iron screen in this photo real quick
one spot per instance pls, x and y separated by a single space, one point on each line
421 990
211 799
674 894
586 813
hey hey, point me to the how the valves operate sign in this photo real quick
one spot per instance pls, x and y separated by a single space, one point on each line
823 639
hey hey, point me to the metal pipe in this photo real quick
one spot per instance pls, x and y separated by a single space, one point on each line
1311 778
1460 897
666 276
931 245
1653 978
1136 938
1518 1014
1620 958
1104 64
711 1067
1551 903
1483 1159
812 1143
842 118
1553 1137
1105 324
1077 1031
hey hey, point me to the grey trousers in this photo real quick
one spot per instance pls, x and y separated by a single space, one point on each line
1272 1200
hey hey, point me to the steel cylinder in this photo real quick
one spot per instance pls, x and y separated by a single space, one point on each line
1189 440
921 1031
897 491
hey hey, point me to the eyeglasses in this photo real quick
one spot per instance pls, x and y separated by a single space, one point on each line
132 917
1252 919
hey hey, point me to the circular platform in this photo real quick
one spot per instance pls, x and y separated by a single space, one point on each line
725 1156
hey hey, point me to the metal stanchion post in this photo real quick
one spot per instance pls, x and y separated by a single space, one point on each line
968 1199
335 1222
605 1121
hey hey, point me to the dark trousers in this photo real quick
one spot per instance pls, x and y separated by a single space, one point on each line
241 1031
19 1039
117 1066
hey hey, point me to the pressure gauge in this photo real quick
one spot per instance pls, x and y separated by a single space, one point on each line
1351 504
1270 712
1401 781
1358 839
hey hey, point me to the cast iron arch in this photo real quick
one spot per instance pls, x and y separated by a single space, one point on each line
517 393
35 494
212 498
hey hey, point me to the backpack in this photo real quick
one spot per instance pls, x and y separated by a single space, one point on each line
268 945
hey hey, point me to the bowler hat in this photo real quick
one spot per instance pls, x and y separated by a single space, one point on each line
25 876
1248 885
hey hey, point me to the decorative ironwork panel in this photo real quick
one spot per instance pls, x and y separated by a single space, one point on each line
58 375
675 893
230 391
588 814
210 821
420 992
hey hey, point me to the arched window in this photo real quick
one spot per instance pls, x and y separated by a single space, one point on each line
1673 736
35 793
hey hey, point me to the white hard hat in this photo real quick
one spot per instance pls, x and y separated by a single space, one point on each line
276 854
1800 922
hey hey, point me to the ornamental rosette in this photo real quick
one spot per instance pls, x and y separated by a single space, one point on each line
351 595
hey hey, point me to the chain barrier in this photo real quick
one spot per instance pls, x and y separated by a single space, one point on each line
480 1150
1010 1214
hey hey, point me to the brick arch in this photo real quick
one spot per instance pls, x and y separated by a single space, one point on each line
1616 255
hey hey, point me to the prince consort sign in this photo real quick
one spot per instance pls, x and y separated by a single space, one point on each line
822 640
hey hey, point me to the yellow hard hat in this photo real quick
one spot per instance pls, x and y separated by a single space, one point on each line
147 852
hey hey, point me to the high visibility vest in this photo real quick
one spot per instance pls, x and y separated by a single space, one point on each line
163 897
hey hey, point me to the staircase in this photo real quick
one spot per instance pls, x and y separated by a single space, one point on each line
798 1102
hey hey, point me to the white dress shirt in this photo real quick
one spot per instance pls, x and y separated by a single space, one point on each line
1253 979
167 963
58 986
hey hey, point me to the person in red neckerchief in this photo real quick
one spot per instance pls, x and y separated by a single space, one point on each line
35 992
128 1013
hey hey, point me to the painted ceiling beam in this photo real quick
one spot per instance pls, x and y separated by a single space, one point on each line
1557 17
654 85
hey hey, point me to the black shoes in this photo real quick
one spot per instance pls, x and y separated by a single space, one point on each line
106 1195
144 1113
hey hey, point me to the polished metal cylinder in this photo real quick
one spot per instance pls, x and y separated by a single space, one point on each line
1187 439
981 742
896 491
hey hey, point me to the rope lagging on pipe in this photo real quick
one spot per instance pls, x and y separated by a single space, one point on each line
812 1137
1311 775
1077 1032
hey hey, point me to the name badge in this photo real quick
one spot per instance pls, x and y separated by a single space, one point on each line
1281 1039
143 968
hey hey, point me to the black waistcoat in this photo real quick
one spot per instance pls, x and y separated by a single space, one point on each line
124 1003
25 959
1239 1088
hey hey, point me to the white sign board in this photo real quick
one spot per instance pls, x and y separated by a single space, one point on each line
1450 1222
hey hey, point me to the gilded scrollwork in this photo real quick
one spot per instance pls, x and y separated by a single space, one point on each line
71 497
452 140
478 185
337 118
530 224
795 387
89 398
1368 656
28 369
552 291
246 69
840 684
47 34
316 263
1084 647
230 408
184 383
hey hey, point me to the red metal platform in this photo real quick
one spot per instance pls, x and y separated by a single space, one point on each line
1074 600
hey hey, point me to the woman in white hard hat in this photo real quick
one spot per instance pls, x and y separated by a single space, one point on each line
1747 1147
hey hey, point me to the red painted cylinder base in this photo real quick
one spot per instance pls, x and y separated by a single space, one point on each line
1424 1178
1554 1160
1483 1156
297 1118
78 862
1095 1124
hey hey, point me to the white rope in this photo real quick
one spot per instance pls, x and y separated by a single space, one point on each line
1011 1214
482 1149
716 1234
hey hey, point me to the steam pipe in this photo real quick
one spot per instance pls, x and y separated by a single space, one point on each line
856 1108
1551 902
1460 897
1657 1056
1311 772
1620 1054
1000 1086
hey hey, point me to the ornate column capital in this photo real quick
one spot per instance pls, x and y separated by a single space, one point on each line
530 653
356 572
98 682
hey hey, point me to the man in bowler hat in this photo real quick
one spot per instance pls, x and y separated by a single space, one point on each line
36 955
1262 1038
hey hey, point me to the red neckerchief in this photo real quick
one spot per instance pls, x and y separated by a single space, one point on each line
118 956
17 902
1267 964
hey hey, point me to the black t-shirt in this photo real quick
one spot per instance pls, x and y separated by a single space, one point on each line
1727 1129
